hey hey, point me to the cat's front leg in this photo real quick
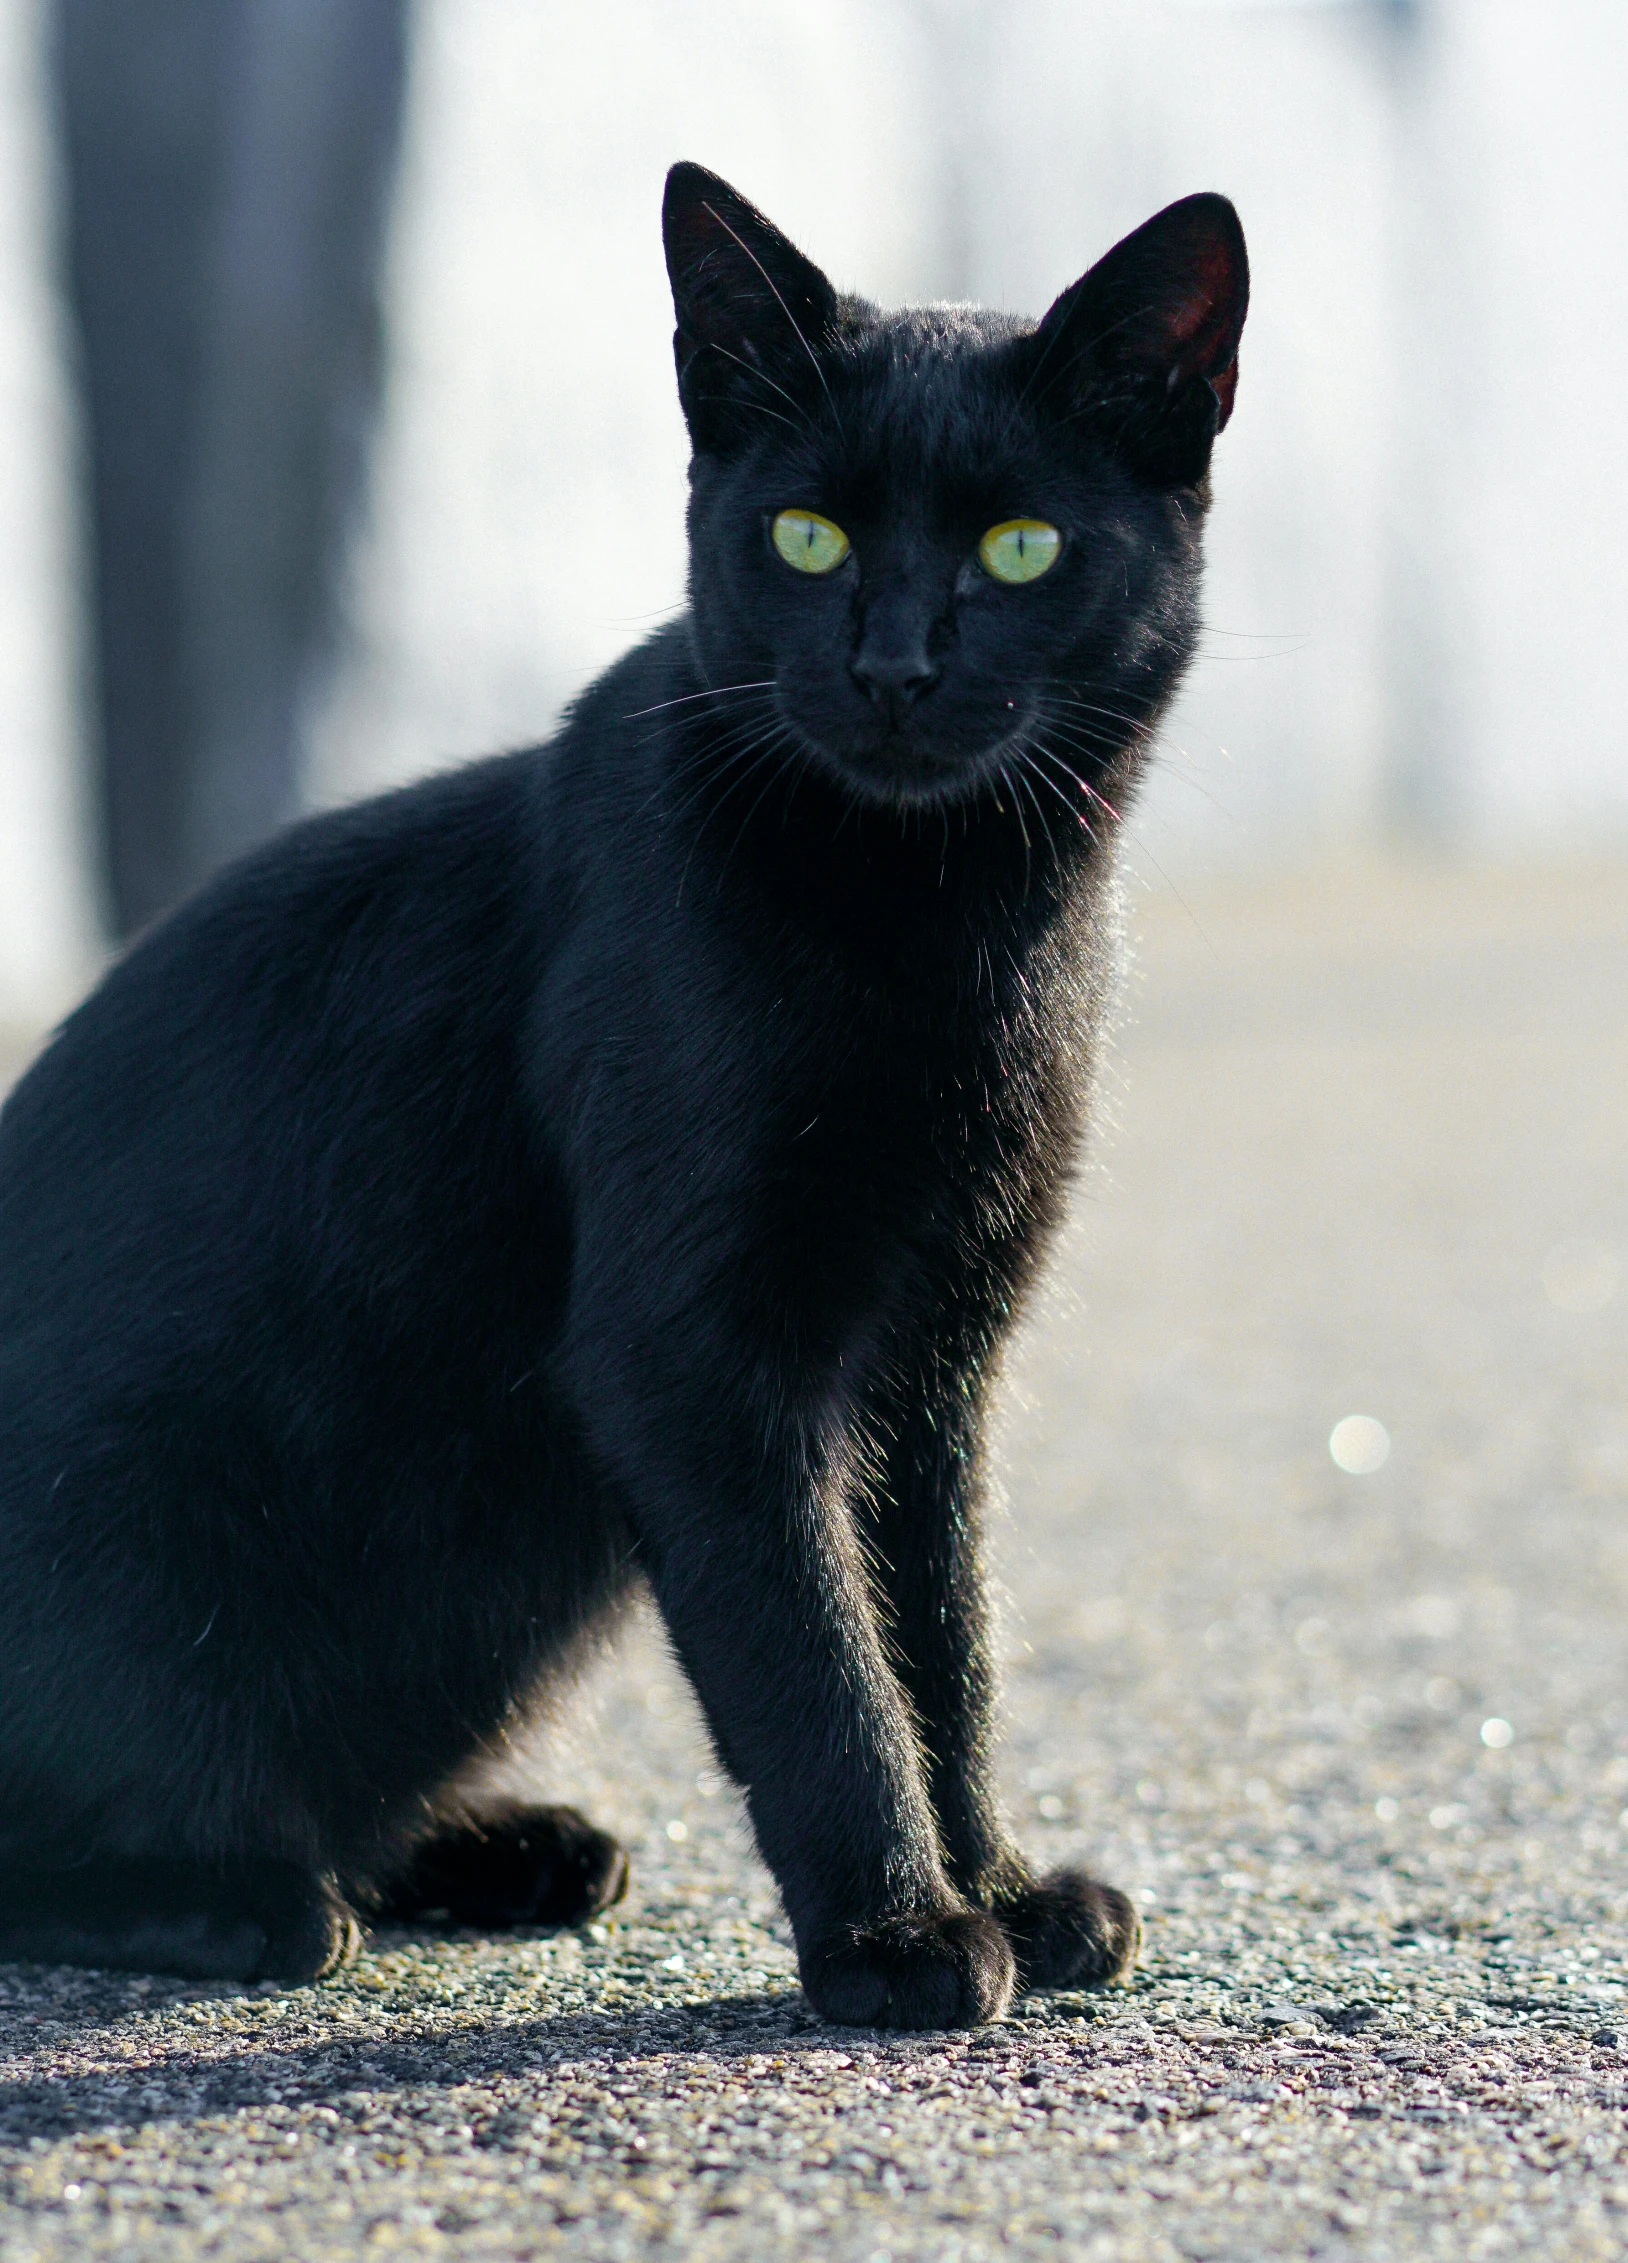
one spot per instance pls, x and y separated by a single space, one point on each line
746 1533
1066 1930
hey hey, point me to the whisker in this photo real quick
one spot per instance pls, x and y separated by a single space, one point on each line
1283 651
1028 858
1137 725
1112 735
1093 746
1184 773
1035 804
717 747
1159 746
853 807
721 760
719 727
1031 754
1084 784
716 691
1257 636
1140 846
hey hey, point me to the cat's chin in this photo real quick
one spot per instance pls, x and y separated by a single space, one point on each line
900 776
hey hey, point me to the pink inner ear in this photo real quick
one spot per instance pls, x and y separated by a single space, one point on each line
1202 327
1172 296
1201 324
1225 384
1208 297
1167 303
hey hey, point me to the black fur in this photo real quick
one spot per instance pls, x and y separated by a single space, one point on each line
617 1162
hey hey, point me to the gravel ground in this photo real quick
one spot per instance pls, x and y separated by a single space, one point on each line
1358 1742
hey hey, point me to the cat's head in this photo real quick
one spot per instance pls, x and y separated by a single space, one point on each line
947 537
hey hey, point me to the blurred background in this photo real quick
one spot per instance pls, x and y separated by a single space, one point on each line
326 327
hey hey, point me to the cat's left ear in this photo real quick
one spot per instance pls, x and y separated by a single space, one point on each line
1146 344
753 314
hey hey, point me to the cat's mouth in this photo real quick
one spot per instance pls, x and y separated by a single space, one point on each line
912 765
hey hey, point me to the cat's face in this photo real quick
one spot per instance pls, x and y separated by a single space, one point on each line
942 539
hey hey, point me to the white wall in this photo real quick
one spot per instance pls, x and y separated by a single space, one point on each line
1517 393
45 915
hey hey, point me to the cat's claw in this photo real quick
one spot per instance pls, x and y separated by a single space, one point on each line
953 1969
1067 1931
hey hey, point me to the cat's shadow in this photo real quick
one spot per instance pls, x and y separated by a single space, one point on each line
192 2077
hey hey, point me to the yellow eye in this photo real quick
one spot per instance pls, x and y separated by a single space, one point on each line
808 542
1020 549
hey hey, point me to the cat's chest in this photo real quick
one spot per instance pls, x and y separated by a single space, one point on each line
895 1100
903 1146
805 1142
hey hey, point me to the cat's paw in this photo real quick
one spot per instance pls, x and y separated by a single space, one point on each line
1067 1931
260 1919
948 1970
521 1866
309 1931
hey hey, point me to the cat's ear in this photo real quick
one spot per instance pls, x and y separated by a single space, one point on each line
753 313
1145 345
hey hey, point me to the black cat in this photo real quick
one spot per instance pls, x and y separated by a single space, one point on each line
619 1162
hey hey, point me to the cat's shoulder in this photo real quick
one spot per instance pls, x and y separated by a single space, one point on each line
631 701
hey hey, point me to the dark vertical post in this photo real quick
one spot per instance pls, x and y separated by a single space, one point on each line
228 165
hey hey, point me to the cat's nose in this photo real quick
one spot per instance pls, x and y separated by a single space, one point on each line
894 681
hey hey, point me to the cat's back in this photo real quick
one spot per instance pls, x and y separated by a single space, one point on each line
336 1015
307 1089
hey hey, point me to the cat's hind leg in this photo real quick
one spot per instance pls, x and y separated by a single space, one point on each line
515 1866
261 1919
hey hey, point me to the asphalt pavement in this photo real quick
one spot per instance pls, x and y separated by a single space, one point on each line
1356 1737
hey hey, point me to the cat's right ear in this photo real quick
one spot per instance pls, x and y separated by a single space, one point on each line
1145 346
753 314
